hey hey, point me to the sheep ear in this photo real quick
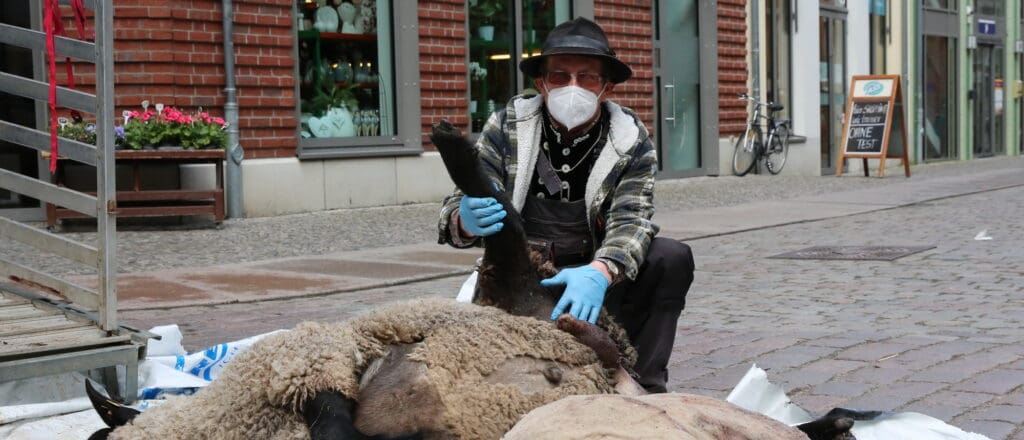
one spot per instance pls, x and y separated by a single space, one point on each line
113 413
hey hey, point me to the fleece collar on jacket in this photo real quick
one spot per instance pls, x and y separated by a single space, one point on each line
621 138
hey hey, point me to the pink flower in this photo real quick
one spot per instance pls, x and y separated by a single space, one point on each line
219 121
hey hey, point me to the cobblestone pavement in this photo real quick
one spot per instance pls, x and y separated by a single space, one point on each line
143 248
940 332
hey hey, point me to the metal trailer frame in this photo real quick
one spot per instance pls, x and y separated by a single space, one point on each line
40 335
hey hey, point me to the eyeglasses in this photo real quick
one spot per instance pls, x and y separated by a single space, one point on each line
586 80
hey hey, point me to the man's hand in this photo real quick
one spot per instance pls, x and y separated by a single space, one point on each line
481 216
585 287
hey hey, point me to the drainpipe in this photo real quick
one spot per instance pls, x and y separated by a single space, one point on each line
755 52
233 186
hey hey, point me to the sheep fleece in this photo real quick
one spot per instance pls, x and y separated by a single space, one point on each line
654 416
260 393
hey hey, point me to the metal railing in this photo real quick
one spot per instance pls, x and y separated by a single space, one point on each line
102 206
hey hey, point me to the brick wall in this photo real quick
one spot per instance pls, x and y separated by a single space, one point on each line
171 52
732 66
630 33
443 86
265 76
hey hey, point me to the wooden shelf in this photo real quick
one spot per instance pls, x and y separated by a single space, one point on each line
139 202
312 34
363 85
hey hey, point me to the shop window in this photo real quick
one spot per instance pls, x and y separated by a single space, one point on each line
945 5
779 55
497 41
939 135
990 7
349 68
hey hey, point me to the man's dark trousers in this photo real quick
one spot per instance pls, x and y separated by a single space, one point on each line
649 307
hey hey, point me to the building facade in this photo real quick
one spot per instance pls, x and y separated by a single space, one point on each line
336 98
959 62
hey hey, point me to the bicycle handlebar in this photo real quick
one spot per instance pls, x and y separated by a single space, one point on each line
745 97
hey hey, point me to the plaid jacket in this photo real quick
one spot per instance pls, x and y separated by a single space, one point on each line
619 191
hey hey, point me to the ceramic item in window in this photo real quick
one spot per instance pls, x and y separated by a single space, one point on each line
367 18
359 120
343 73
326 19
340 120
486 32
347 12
320 127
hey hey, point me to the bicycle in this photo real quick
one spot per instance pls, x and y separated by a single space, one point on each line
749 147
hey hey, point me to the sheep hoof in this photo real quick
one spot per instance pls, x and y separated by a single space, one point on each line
112 413
553 374
829 427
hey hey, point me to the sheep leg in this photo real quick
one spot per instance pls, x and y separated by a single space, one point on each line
607 351
329 416
507 280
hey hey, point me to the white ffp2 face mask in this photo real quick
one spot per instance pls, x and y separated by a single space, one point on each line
571 106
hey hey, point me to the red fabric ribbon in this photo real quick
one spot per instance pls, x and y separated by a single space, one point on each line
54 25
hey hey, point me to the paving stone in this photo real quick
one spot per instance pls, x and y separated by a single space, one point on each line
991 429
946 405
1005 413
894 396
993 382
841 389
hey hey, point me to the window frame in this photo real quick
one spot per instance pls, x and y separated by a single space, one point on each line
407 137
577 8
775 61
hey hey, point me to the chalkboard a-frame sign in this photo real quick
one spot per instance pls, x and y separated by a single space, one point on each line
875 107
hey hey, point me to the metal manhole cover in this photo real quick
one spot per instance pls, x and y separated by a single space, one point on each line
883 253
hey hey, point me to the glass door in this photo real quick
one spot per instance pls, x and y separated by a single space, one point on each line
988 100
940 109
21 111
832 86
677 78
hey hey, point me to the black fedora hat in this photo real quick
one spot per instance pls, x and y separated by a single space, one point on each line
578 37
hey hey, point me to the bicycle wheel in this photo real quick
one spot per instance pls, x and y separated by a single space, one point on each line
775 156
745 154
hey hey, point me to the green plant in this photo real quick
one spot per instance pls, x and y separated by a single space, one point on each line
85 133
328 94
485 10
170 126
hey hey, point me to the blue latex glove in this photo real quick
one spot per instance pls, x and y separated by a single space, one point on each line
481 216
585 287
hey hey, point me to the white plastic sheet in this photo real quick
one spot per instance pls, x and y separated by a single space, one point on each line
755 393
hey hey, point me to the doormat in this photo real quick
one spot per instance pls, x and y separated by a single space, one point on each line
881 253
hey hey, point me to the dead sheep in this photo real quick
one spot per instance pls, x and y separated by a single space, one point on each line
431 369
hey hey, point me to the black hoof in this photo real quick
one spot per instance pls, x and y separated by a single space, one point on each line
329 417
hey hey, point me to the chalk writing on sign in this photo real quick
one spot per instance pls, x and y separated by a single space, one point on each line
867 127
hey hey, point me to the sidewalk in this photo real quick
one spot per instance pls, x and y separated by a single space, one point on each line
364 269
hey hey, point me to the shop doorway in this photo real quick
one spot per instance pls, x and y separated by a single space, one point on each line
989 100
677 78
22 111
940 110
832 62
